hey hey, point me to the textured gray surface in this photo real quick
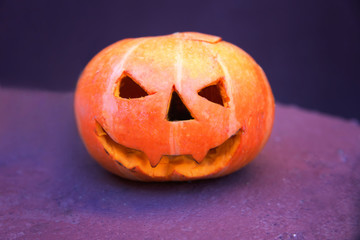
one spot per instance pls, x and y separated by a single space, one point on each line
305 184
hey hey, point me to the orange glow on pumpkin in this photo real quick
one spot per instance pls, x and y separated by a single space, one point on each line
170 108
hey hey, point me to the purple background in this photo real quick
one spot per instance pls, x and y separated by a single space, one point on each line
308 49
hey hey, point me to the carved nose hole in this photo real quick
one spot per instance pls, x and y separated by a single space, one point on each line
177 110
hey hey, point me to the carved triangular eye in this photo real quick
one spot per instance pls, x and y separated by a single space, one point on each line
129 89
215 93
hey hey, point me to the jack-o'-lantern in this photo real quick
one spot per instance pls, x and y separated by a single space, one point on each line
170 108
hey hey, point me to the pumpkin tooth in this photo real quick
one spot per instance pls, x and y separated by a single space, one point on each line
154 159
199 156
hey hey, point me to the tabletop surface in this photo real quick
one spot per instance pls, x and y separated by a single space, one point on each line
305 184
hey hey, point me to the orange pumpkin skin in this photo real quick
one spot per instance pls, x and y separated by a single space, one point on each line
135 138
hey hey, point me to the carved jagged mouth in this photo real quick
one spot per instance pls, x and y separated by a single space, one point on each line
134 160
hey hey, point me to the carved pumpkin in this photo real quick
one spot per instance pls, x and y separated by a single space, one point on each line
170 108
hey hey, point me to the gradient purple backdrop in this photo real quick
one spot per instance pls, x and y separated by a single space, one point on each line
308 49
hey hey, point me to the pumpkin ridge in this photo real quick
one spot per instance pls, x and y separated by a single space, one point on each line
117 71
233 121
